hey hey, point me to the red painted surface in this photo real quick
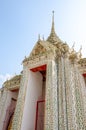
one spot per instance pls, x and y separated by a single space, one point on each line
15 90
84 74
39 68
37 109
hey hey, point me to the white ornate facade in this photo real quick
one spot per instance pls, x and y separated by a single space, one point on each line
53 74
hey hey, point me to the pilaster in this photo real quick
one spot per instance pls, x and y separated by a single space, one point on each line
80 100
17 120
51 110
62 99
3 107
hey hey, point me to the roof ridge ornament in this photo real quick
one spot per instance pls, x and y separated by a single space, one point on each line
39 38
73 46
80 52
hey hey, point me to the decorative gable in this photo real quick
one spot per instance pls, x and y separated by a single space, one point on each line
38 50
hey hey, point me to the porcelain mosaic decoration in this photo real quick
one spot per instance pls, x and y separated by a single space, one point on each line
65 97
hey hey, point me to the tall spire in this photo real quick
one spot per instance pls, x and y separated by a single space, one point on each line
52 29
53 38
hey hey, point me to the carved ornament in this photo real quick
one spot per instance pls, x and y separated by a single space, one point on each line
13 83
82 62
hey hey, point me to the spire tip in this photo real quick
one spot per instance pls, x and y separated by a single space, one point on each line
53 16
53 11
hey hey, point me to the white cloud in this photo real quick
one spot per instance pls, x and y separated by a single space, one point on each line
3 78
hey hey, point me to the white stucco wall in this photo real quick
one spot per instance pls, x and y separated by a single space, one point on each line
4 108
34 91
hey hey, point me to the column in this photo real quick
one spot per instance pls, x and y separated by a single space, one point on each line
51 107
17 120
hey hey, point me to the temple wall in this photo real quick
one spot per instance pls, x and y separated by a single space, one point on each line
6 100
33 92
5 103
85 80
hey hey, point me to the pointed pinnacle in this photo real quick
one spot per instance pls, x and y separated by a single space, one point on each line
52 29
53 37
53 16
39 37
80 48
73 45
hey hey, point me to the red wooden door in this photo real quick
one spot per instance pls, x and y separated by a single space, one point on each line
39 125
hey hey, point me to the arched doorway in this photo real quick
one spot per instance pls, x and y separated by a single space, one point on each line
9 115
10 122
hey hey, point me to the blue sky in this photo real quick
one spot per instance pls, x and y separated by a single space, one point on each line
22 20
